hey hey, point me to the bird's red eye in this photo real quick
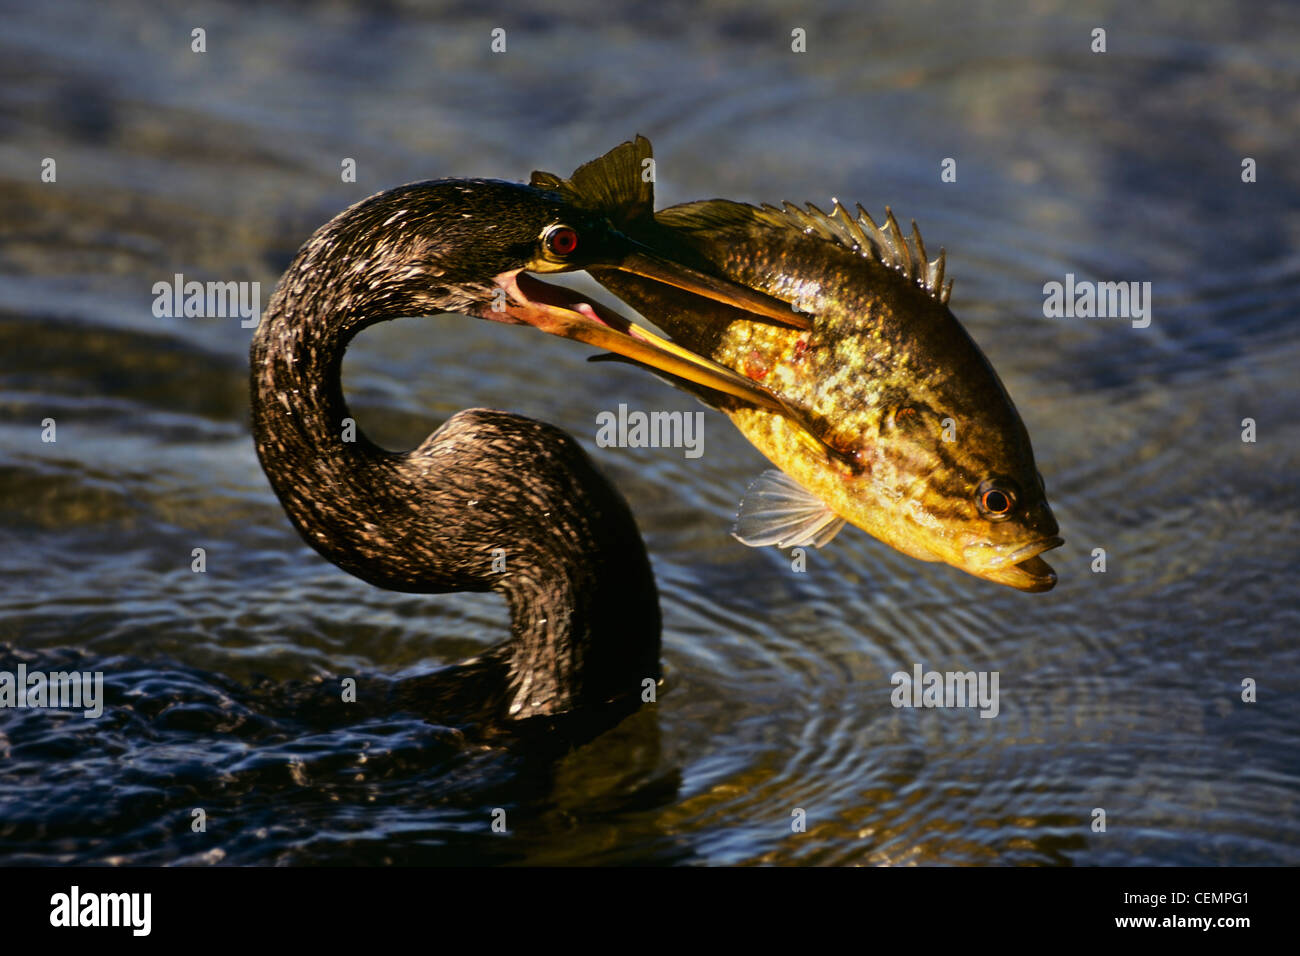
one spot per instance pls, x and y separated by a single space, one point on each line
561 241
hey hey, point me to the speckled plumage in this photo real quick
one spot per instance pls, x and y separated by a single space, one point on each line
584 610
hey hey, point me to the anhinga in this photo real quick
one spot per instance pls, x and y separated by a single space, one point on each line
491 501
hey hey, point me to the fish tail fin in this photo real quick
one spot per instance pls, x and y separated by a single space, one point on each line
619 184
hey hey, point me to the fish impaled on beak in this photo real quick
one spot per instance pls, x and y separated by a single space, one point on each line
565 313
942 465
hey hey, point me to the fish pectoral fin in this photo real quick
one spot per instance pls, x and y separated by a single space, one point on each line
778 510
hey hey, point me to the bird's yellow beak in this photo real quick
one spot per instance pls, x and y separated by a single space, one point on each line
642 261
565 313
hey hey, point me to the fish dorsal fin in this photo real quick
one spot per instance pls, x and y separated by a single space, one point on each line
884 244
619 184
778 510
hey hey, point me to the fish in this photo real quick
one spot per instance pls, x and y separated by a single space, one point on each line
897 423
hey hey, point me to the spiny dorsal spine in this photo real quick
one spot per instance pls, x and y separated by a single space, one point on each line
886 245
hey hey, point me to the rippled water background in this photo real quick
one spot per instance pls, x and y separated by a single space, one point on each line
1119 690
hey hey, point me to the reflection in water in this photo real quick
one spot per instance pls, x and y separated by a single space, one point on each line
284 772
1119 690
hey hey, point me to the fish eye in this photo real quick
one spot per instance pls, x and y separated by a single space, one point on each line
560 241
995 500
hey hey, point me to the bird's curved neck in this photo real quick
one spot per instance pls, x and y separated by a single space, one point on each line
319 463
416 522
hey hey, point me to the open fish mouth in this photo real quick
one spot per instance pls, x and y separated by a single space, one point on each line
1021 568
